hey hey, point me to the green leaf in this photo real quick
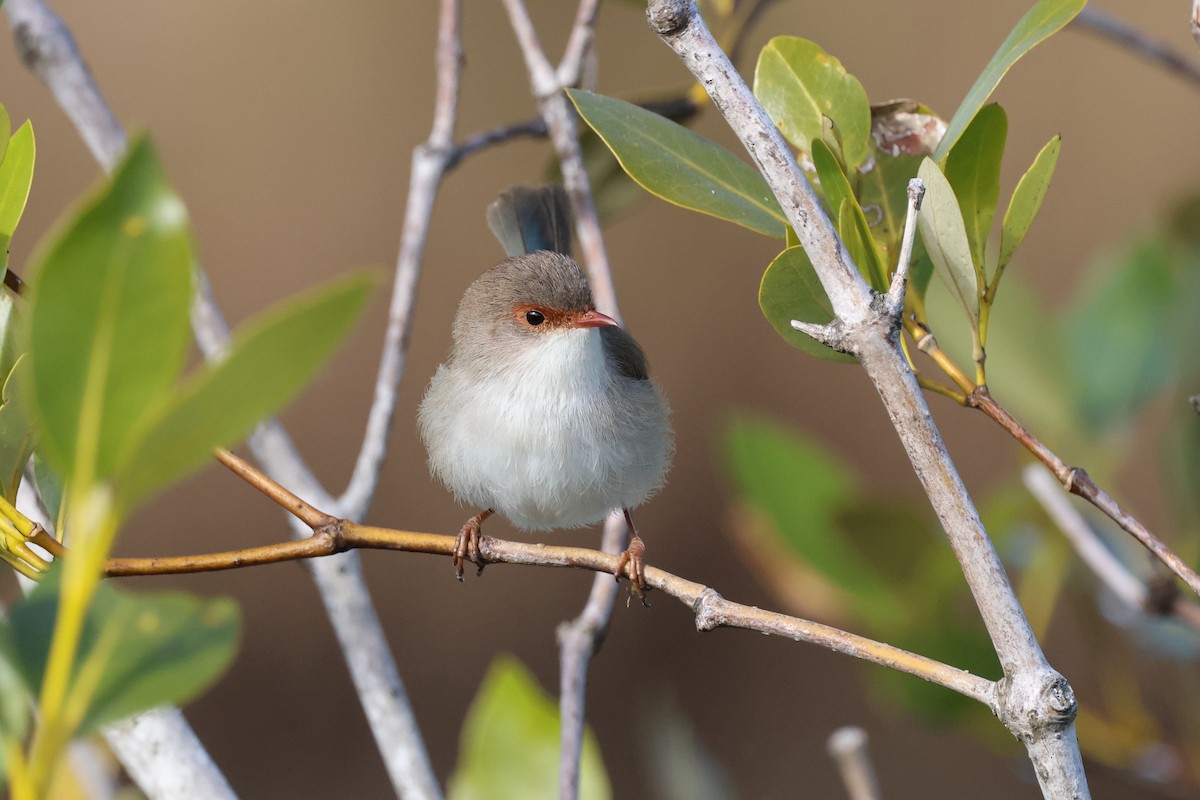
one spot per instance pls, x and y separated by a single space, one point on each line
108 318
613 190
853 229
945 239
509 745
16 176
50 487
883 196
973 169
791 290
1027 200
16 700
16 433
271 358
800 85
1045 18
5 129
1132 332
149 648
680 166
803 489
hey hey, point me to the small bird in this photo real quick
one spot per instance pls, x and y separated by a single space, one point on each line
544 411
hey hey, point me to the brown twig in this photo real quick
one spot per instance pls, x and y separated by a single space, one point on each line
1077 481
47 542
305 512
711 610
1156 599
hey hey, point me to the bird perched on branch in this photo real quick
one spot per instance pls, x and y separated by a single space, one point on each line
544 411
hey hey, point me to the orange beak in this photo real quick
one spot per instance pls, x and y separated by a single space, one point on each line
591 319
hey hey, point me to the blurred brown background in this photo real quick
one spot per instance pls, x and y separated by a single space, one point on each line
288 128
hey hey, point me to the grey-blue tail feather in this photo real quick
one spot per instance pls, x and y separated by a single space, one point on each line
530 218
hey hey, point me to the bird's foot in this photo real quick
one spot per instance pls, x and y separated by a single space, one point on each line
466 545
632 563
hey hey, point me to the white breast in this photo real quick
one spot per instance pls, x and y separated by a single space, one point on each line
553 441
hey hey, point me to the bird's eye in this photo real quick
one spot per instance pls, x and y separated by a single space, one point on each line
534 317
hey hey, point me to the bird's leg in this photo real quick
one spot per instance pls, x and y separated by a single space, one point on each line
466 546
632 562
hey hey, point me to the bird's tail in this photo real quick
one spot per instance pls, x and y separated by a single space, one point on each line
530 218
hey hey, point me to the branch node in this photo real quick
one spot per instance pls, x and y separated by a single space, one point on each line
831 335
667 17
1075 478
706 607
1036 703
335 532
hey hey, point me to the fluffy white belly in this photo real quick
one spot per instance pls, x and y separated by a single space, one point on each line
549 442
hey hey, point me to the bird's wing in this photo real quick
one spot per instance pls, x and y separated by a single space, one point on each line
624 353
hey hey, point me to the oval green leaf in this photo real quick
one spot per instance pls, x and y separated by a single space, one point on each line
791 290
884 199
509 744
5 129
945 239
852 223
16 434
147 648
270 359
1027 200
973 169
680 166
1039 23
800 86
108 318
16 176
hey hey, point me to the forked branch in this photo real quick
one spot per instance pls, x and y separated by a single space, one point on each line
331 536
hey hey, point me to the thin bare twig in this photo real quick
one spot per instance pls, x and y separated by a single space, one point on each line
1077 481
578 641
848 748
289 502
1103 563
526 129
430 162
711 610
1037 704
1102 23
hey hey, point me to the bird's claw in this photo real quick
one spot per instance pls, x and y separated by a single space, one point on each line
466 545
632 565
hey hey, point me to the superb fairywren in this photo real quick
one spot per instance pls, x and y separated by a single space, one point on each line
544 411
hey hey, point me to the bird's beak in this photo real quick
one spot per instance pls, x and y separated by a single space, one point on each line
592 319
